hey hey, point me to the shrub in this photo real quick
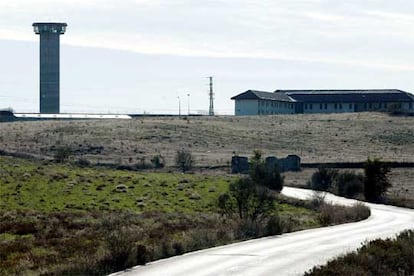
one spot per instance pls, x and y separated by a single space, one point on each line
336 214
378 257
158 161
248 200
274 226
62 154
83 162
318 199
261 174
184 160
349 184
323 179
225 204
376 181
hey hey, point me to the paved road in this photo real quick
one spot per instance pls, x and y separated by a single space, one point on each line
288 254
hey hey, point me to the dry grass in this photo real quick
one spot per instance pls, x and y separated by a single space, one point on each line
316 138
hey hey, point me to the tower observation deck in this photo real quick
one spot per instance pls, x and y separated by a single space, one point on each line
49 65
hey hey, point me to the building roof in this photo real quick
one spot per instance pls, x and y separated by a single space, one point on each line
262 95
348 96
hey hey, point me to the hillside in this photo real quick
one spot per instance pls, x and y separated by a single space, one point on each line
213 140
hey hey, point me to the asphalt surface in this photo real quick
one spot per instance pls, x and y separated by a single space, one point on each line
287 254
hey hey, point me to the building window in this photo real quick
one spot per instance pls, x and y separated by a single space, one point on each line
326 106
365 105
385 105
306 106
310 106
410 105
335 106
370 105
350 106
320 106
340 106
380 105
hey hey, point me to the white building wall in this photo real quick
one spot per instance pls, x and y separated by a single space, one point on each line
246 107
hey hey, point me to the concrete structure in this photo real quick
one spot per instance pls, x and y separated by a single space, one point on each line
254 102
289 163
49 65
240 164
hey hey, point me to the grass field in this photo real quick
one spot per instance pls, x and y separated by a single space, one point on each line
62 219
27 185
213 140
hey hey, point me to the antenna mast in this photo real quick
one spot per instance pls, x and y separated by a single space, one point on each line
211 94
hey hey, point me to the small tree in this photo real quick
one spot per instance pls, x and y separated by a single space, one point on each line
249 201
184 160
376 181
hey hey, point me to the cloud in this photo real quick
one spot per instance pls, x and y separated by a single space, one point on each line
351 33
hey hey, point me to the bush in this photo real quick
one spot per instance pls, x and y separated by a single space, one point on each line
261 174
274 226
376 181
318 199
336 214
158 161
349 184
322 179
184 160
378 257
249 201
62 154
83 162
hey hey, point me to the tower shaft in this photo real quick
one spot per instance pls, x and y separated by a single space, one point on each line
49 73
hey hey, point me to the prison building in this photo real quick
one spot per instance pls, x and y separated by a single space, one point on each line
253 102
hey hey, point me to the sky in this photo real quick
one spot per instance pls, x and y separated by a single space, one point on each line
154 56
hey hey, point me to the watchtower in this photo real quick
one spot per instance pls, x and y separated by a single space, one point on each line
49 65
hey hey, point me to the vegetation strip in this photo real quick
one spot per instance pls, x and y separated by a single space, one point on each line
378 257
62 219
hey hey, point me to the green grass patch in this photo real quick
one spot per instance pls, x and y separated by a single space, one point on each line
59 219
52 187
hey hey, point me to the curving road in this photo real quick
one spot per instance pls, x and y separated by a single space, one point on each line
287 254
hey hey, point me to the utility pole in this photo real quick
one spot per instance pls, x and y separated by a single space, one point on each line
188 104
179 106
211 94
